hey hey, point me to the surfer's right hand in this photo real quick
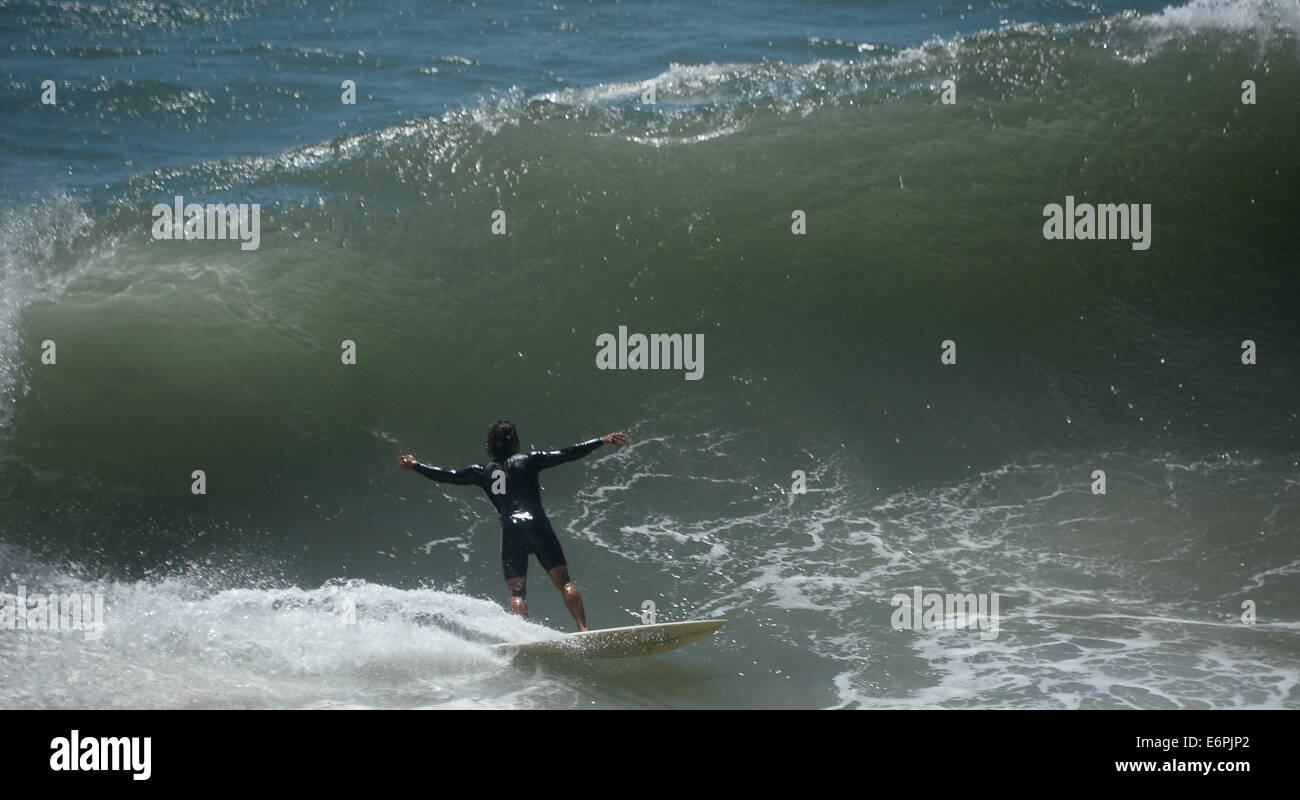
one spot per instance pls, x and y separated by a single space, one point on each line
406 462
616 439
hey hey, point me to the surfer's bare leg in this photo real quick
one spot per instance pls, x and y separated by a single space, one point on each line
572 597
518 588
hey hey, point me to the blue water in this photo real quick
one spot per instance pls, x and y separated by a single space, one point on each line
151 86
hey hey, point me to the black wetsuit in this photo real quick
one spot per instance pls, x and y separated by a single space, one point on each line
518 500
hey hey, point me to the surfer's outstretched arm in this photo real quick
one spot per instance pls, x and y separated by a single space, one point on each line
469 476
549 458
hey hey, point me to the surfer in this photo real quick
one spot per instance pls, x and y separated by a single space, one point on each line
510 480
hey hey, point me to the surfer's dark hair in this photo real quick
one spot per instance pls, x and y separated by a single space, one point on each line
502 438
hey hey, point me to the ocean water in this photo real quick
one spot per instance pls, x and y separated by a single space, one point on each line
313 573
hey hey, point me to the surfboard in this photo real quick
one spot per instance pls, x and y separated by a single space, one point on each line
630 642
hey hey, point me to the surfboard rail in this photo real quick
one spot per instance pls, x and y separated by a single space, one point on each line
632 641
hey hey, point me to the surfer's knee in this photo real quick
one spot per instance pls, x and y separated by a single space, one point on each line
560 577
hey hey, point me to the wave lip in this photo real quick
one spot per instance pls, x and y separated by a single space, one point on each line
1262 18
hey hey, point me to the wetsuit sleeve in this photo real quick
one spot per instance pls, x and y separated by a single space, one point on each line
542 459
469 476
